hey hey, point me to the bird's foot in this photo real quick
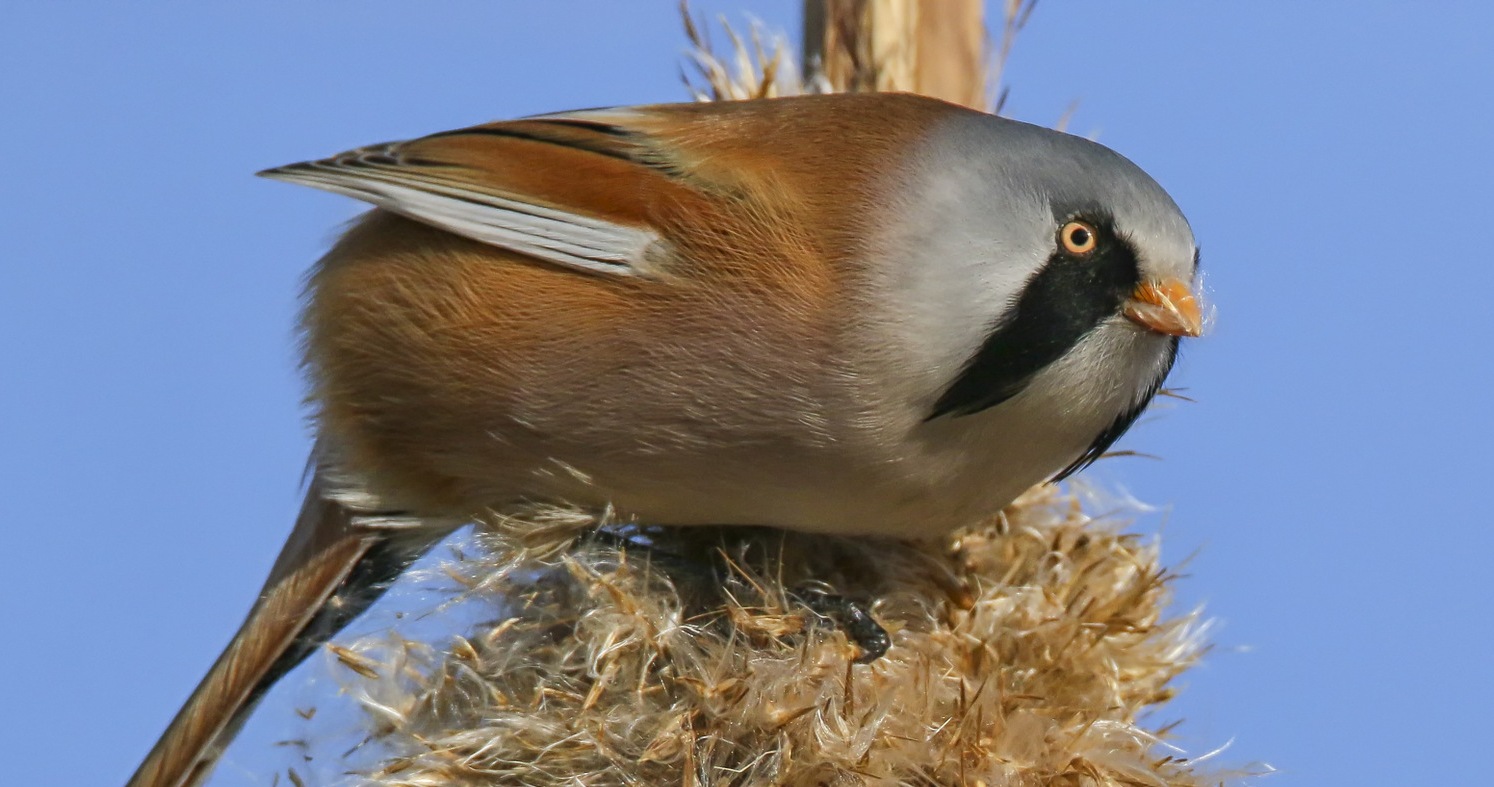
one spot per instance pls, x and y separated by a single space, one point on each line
853 617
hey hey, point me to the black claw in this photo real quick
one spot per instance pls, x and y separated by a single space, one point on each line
853 617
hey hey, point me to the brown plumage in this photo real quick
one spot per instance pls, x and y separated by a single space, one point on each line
418 338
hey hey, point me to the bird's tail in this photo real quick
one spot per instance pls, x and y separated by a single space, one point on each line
335 564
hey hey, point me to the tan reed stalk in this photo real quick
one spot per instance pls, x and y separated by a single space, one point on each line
934 48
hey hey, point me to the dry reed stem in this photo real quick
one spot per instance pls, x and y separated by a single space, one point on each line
937 49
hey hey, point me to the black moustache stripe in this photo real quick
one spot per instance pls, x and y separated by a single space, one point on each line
1065 300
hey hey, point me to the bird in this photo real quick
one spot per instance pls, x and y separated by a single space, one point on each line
856 314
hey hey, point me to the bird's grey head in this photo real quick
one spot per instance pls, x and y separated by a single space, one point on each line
1019 246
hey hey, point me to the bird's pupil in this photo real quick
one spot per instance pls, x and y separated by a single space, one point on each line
1079 236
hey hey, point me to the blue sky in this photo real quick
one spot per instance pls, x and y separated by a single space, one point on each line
1333 158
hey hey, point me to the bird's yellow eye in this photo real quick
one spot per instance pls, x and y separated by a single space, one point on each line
1078 237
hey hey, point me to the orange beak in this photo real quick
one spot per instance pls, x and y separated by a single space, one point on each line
1167 307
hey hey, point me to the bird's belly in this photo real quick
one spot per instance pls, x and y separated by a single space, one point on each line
948 478
843 506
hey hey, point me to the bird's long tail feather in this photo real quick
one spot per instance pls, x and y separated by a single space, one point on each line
334 566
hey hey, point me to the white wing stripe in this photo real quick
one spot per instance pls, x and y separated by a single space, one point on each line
554 235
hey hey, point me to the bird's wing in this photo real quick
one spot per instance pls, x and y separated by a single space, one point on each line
575 189
621 192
